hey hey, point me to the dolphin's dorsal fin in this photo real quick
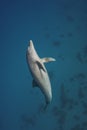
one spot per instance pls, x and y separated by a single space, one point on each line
47 59
40 66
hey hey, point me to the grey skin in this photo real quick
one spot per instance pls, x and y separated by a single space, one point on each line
39 72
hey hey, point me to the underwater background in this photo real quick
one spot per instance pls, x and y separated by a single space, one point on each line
58 29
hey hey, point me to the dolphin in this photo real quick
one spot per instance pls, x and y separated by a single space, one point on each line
39 72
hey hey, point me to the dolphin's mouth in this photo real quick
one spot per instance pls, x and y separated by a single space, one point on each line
31 43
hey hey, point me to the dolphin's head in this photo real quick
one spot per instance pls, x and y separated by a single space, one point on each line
31 52
31 44
30 47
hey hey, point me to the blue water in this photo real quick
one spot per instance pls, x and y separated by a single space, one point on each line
58 29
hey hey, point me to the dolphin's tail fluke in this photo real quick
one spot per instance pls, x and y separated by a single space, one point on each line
43 108
46 106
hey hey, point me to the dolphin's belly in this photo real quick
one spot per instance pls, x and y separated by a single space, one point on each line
42 80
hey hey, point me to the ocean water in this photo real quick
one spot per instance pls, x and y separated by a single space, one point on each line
58 29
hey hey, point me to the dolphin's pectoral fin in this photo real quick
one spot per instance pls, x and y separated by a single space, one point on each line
40 66
34 83
47 59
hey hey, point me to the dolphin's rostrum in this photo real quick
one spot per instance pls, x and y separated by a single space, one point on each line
39 72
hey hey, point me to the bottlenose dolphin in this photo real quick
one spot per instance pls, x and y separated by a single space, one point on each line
39 72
